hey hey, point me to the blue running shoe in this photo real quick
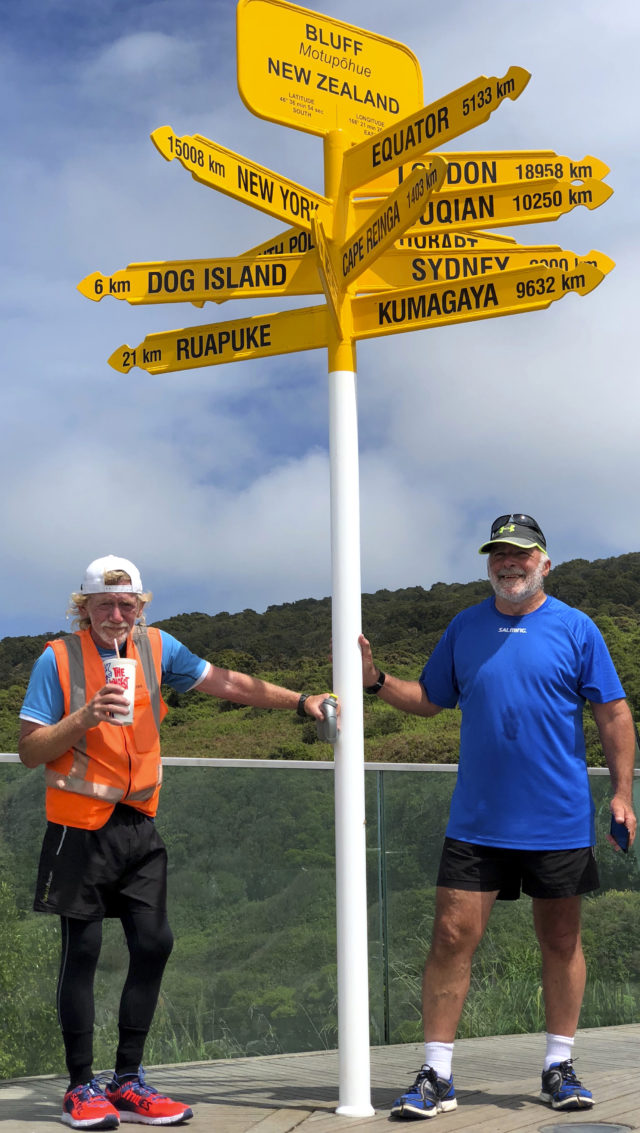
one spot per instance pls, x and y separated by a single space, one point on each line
428 1096
562 1090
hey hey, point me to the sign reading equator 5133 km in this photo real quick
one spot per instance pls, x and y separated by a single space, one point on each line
431 126
315 73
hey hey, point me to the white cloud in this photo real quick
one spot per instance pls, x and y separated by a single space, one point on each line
223 496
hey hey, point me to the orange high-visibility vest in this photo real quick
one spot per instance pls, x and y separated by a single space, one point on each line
111 763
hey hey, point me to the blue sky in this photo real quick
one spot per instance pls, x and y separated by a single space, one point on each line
216 481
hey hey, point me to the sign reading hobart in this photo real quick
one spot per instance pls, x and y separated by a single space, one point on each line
318 74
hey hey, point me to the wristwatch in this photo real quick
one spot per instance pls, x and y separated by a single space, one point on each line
374 689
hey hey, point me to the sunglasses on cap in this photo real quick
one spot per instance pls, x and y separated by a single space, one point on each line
516 517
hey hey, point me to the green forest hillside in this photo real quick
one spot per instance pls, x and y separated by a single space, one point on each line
290 644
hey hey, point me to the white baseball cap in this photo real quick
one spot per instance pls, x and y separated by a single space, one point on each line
93 581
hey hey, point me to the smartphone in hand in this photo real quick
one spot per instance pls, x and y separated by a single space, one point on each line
620 835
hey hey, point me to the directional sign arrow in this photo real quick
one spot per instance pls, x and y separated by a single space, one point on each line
196 281
502 205
495 167
430 127
515 292
238 177
218 343
448 241
295 240
387 224
399 269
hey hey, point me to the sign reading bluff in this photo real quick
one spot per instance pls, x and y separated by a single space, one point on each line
515 292
430 127
238 177
315 73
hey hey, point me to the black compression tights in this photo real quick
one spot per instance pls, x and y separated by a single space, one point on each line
149 940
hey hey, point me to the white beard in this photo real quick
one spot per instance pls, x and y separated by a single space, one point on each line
522 590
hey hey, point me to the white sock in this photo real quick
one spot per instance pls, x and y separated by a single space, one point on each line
559 1048
439 1056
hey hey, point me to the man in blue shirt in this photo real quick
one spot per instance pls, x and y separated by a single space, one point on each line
102 855
521 666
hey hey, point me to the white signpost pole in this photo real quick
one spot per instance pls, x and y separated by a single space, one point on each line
351 879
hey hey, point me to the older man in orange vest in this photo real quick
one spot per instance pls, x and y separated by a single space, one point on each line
102 855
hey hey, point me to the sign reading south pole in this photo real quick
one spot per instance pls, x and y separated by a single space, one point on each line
318 74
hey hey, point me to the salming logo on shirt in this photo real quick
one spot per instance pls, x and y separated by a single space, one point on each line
511 629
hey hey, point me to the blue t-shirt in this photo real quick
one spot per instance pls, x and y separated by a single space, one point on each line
44 700
521 683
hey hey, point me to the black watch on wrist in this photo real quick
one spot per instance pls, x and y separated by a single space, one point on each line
300 709
373 690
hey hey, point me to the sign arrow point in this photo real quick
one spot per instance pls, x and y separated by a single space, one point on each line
160 139
122 359
93 286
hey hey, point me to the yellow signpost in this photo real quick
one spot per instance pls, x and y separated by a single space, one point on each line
388 222
317 74
328 279
218 343
219 168
418 308
430 127
398 242
471 169
501 205
401 268
196 281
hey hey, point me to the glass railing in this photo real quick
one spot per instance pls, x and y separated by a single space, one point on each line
252 905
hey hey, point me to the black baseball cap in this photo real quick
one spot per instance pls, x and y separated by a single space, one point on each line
516 528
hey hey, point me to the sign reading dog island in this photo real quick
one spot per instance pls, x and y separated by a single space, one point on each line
397 243
301 69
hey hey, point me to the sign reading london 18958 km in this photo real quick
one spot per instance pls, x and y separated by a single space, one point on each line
309 71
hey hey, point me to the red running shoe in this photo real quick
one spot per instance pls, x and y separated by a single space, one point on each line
134 1100
86 1107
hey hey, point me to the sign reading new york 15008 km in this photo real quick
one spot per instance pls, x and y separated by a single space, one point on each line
311 72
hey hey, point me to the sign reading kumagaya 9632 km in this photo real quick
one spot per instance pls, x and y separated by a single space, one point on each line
441 304
318 74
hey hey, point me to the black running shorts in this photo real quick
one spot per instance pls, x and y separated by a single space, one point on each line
538 873
91 874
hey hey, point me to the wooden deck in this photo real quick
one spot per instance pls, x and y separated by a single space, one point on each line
497 1082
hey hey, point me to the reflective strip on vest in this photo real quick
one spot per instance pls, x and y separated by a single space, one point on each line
76 780
143 645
